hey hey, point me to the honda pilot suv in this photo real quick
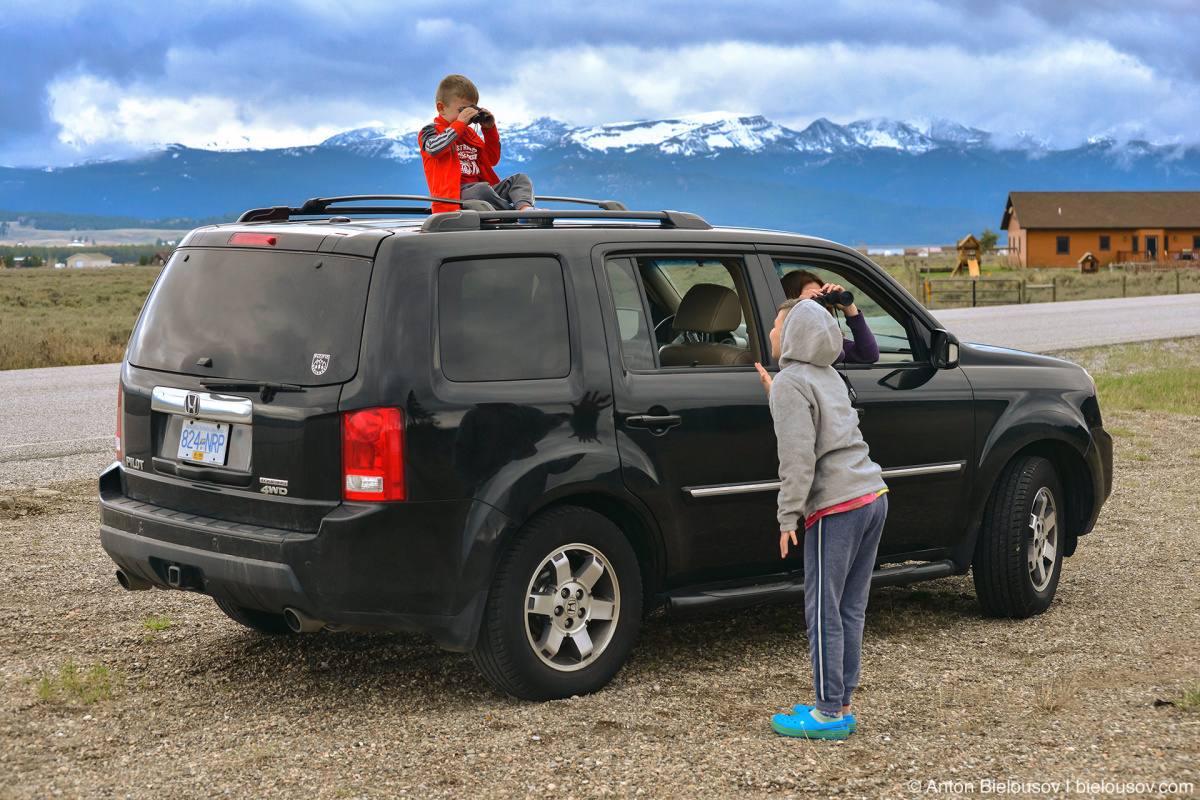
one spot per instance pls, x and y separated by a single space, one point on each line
519 432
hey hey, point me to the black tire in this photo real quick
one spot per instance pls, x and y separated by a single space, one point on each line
261 621
1010 580
536 656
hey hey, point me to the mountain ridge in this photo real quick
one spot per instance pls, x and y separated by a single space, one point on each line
705 134
875 180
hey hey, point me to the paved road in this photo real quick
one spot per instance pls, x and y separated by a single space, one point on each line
1042 327
58 424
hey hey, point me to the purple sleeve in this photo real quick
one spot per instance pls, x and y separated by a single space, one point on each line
863 349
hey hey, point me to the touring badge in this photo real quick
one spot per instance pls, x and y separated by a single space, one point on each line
320 363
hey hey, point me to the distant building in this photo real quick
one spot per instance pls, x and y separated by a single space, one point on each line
1053 229
159 259
88 260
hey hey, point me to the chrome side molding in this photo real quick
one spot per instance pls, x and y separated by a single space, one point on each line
925 469
732 488
204 405
772 486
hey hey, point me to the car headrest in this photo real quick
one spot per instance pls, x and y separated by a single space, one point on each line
708 308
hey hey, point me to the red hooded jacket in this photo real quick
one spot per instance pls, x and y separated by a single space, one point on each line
453 154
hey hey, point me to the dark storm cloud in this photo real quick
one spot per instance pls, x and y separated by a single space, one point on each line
41 42
321 64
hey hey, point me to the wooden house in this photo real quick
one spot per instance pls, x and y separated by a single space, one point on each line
1053 229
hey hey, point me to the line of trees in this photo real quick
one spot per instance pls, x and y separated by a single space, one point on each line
43 256
58 221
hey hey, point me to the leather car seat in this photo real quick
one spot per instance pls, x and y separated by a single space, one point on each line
706 308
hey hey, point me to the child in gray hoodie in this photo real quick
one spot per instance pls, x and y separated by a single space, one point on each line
829 482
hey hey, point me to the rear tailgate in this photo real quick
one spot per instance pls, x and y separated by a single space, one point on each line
232 379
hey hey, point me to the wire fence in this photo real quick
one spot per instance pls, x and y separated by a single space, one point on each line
1042 288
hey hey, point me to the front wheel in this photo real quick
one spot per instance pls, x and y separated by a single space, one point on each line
1018 559
564 609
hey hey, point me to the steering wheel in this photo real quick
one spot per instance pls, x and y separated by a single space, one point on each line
663 328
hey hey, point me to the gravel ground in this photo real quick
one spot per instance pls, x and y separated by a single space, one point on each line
203 708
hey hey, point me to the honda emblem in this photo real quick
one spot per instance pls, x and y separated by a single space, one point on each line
191 404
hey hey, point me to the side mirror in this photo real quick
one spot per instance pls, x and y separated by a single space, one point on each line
944 349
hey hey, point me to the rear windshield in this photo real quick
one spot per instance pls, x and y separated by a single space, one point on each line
260 316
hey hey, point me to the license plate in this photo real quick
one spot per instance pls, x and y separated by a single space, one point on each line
203 442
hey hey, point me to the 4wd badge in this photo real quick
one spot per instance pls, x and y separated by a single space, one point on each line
320 363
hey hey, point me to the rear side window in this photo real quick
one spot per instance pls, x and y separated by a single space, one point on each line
256 316
503 319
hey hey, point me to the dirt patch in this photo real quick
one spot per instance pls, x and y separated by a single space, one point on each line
157 694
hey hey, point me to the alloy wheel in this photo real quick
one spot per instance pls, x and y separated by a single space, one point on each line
572 607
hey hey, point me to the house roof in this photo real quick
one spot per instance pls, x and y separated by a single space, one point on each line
90 256
1103 209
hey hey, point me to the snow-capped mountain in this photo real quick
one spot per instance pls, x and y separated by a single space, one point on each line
391 143
889 133
705 135
882 180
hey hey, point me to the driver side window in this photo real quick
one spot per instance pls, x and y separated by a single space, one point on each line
683 312
891 335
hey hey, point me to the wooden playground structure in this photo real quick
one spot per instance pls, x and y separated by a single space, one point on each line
970 253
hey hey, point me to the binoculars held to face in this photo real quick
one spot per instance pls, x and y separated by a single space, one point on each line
482 118
834 298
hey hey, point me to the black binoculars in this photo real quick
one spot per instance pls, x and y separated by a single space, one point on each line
834 298
482 118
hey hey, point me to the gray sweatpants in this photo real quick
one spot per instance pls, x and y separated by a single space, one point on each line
839 557
514 192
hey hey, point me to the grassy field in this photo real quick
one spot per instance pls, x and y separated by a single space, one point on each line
1151 376
58 318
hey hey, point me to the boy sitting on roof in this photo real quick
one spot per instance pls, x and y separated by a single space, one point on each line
458 163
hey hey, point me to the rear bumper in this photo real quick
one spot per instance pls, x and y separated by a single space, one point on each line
403 566
249 582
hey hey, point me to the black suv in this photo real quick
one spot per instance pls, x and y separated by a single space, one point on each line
518 432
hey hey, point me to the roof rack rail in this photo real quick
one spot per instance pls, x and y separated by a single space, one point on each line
474 220
605 205
475 214
320 205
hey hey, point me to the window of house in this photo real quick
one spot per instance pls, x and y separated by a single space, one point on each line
890 334
503 319
1133 246
1104 243
1064 245
1195 243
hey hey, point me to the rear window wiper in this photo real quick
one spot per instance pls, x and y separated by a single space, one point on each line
266 389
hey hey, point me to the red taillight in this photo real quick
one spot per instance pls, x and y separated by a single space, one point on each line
120 454
253 239
373 454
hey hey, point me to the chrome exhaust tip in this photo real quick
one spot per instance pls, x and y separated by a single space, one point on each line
300 622
132 583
